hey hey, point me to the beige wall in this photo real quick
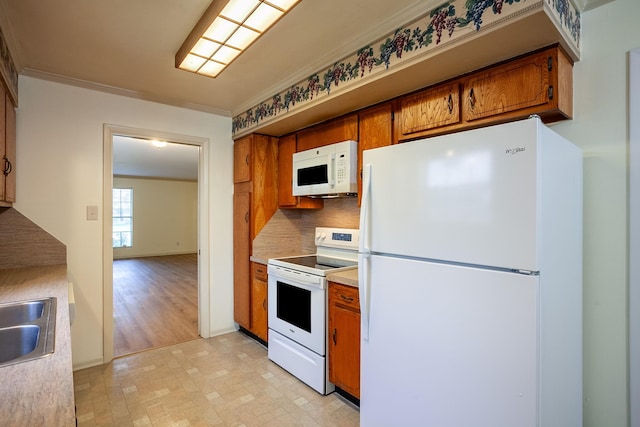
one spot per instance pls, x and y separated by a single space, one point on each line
600 127
165 217
59 170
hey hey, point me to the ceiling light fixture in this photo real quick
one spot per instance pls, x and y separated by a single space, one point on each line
226 29
158 144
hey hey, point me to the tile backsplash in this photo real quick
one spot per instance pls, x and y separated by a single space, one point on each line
291 231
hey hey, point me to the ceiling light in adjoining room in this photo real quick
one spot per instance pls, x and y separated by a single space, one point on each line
158 144
226 29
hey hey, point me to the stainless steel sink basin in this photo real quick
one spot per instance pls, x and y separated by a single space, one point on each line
22 312
27 330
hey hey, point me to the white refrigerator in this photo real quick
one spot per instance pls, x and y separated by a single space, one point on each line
470 280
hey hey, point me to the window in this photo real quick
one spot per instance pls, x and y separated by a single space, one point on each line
122 217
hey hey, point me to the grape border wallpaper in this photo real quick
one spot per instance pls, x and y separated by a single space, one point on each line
444 24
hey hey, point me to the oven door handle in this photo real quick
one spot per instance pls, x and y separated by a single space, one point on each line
296 279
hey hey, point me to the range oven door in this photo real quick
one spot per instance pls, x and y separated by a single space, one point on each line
297 307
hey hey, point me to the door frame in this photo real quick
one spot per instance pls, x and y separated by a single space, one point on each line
634 236
107 230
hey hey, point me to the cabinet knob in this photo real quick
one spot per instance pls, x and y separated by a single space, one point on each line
335 338
246 159
246 217
450 104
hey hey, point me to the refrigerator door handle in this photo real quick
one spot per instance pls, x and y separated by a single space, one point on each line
364 288
364 210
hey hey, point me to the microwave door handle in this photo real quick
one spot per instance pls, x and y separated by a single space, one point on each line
332 170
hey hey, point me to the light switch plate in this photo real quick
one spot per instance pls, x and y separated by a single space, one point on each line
92 213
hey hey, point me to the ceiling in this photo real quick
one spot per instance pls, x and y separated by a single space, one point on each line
128 47
138 157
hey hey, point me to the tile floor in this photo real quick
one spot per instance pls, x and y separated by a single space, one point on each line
221 381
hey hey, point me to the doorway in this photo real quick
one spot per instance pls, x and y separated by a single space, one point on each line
155 195
111 134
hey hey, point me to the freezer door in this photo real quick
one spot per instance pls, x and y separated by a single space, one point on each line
448 346
468 197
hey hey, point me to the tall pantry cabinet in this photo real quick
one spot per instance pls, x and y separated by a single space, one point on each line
255 200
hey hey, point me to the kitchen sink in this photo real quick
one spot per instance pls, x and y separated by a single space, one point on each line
27 330
22 312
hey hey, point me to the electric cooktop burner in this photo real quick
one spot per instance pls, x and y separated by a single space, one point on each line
320 262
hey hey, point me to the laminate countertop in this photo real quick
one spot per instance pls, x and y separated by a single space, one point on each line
39 392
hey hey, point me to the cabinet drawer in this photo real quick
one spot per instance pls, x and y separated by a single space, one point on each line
259 271
345 296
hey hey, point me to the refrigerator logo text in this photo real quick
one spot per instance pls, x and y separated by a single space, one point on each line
515 150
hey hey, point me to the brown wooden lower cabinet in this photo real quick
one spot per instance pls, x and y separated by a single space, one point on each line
259 283
344 338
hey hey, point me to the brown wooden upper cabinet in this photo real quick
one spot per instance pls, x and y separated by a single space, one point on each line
7 149
433 108
242 159
286 147
337 130
538 83
375 130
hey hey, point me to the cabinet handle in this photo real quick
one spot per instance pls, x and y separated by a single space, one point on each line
335 338
246 159
264 304
8 167
345 298
246 217
472 98
450 104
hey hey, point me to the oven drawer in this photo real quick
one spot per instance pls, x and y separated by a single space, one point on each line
343 295
304 364
259 271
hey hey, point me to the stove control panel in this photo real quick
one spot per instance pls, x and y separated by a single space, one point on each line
345 238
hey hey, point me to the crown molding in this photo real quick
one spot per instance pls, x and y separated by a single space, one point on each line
85 84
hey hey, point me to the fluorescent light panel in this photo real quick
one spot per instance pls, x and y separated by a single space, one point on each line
225 31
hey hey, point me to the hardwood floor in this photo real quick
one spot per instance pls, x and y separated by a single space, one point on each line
155 302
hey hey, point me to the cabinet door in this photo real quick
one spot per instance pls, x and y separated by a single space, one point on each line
336 130
10 152
344 338
3 140
286 199
242 159
516 85
241 254
429 109
259 300
375 129
264 179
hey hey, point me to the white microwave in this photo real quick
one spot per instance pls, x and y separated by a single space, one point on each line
328 171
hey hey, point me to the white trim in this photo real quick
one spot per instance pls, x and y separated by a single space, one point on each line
634 236
203 226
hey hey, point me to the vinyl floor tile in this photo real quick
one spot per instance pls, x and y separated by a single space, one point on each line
225 381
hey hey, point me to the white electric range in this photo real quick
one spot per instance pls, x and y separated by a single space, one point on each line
298 305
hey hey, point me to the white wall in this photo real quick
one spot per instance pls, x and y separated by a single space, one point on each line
59 173
165 217
600 127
